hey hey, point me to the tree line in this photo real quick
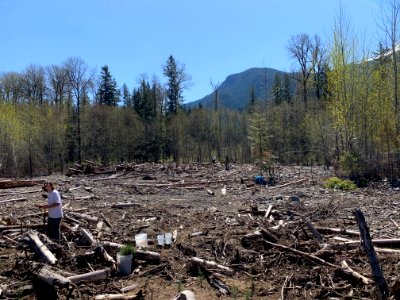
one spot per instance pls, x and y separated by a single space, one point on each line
344 112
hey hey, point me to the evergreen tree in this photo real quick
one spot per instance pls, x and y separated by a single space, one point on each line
126 96
286 96
277 89
108 93
177 78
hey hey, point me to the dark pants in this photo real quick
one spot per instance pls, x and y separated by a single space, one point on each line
53 229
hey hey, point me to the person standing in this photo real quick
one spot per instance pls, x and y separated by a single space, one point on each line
54 209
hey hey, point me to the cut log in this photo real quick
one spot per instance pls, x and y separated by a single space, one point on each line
90 277
41 248
212 264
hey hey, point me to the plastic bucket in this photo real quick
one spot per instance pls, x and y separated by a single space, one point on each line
160 240
124 263
223 191
168 238
141 240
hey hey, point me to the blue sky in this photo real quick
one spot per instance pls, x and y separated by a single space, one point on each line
212 38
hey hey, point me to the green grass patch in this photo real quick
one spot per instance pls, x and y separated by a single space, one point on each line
341 184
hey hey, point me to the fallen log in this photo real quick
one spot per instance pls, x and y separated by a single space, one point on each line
107 257
124 205
269 209
69 218
129 288
184 184
84 216
217 283
147 255
286 184
13 200
111 244
366 243
305 255
53 279
376 242
88 236
106 220
32 226
338 230
41 248
212 264
251 239
90 277
314 231
138 295
19 193
346 268
8 184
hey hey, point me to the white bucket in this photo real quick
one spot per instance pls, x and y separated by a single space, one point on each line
160 240
141 240
124 263
223 191
168 238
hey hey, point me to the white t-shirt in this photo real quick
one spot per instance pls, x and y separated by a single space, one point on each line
54 197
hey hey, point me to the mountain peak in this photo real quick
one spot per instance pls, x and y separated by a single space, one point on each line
234 92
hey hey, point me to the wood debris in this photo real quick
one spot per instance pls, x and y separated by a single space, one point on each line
293 239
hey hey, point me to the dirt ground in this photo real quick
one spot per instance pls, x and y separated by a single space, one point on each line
229 229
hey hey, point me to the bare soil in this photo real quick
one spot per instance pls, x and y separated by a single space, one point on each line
212 227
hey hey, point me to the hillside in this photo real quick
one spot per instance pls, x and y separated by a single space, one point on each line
234 91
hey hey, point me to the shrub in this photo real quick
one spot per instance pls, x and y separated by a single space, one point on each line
127 250
341 184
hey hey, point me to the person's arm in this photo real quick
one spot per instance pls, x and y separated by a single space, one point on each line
49 206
